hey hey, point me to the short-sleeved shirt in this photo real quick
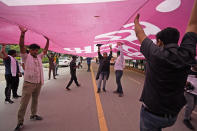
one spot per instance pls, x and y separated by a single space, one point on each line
33 68
89 60
166 74
51 62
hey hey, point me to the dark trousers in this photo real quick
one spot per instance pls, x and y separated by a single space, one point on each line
89 67
73 77
151 122
11 84
56 68
119 74
53 70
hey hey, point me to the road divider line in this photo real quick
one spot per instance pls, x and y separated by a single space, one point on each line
101 117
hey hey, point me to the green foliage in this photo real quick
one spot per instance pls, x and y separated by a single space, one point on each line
45 60
1 61
46 65
15 47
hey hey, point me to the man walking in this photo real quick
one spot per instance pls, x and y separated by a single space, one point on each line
89 63
33 78
166 73
73 67
118 67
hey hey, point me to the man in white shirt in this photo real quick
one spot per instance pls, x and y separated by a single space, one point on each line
118 67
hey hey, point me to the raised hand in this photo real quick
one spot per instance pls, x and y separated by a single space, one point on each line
3 46
136 20
119 43
110 46
23 29
46 37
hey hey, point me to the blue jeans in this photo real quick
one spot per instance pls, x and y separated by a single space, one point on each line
151 122
102 76
118 80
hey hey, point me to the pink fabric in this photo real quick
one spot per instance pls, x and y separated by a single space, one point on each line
77 28
33 72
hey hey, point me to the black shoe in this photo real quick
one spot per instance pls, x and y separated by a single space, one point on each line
16 97
54 78
188 124
19 127
99 90
35 117
116 92
78 85
67 88
104 90
9 102
121 95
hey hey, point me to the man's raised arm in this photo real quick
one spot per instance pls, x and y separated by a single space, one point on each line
192 24
21 41
139 30
46 46
3 51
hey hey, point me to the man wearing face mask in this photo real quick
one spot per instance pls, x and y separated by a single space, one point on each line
33 78
104 68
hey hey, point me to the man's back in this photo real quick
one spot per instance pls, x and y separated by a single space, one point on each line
166 74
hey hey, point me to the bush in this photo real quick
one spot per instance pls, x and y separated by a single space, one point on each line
46 65
1 61
45 60
18 58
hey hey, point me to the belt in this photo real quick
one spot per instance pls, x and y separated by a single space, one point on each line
159 114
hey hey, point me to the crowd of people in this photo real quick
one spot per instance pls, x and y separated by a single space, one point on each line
170 82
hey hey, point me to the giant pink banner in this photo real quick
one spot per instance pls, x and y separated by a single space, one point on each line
75 27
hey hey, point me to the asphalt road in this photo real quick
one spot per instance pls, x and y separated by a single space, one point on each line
81 109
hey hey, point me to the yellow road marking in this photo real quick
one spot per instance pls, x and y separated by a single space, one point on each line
101 117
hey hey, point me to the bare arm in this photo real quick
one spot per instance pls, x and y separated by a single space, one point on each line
192 24
139 30
21 41
1 56
46 46
3 51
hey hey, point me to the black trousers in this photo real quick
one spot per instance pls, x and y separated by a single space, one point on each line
51 68
11 84
89 67
73 77
118 80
